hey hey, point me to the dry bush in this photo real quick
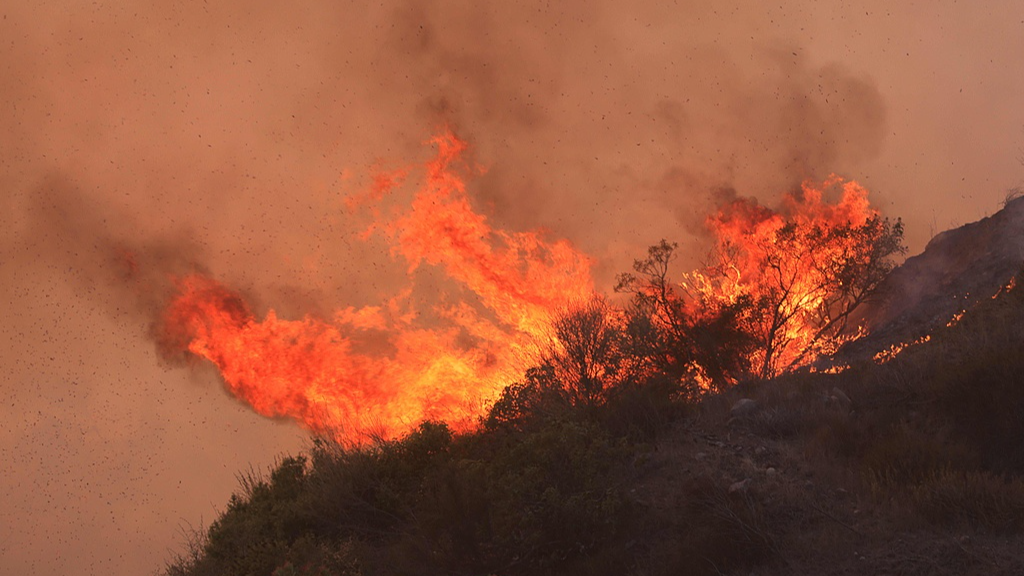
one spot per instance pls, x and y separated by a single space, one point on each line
839 435
712 532
978 499
905 457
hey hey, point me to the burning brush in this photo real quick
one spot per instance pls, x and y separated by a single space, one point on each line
782 283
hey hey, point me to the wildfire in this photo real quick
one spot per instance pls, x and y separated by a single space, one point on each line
1006 288
790 278
803 269
893 351
320 371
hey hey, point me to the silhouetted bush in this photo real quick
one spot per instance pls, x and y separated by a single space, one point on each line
255 533
598 370
672 339
531 502
711 532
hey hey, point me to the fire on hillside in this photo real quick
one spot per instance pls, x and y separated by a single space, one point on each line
788 277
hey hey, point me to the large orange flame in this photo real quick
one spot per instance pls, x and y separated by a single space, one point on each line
380 370
314 369
804 267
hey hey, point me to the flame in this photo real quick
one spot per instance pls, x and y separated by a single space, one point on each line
832 369
959 316
381 370
790 264
893 351
1006 288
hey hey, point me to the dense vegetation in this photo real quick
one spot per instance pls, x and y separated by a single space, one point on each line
603 462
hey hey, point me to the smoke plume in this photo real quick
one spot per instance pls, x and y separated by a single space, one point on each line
150 138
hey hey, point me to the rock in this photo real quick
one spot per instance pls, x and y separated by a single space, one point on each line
839 398
740 486
760 450
771 471
743 407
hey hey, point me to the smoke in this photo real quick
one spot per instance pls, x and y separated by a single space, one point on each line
589 123
154 137
238 123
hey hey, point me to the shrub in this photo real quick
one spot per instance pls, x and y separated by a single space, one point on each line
260 524
714 532
973 373
971 498
369 492
776 422
533 504
903 457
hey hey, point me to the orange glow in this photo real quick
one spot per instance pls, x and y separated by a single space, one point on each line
380 370
795 265
833 369
1008 287
893 351
957 317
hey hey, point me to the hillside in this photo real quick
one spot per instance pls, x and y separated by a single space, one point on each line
957 269
909 467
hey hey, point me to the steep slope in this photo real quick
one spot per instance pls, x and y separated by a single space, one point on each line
910 467
957 269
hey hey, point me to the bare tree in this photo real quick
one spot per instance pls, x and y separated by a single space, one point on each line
810 278
793 300
678 337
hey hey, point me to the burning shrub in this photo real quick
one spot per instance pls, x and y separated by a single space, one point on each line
798 273
778 291
539 394
600 368
588 358
705 347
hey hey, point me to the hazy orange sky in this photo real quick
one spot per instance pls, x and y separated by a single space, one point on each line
227 133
